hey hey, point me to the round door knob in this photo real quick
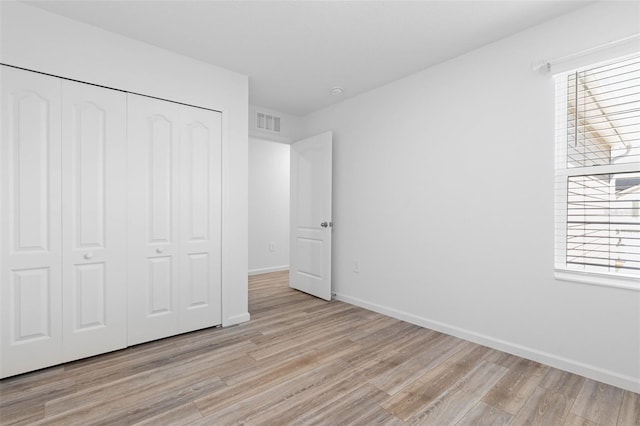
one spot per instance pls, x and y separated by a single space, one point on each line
324 224
159 250
88 256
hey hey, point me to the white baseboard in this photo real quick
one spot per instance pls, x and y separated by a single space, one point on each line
590 371
236 319
267 270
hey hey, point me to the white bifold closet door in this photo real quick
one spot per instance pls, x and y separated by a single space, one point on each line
174 219
30 243
62 214
93 220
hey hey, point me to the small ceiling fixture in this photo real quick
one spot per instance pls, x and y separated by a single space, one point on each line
337 91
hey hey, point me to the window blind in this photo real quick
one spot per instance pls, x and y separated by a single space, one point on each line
598 168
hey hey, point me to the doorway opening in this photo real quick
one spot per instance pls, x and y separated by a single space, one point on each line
268 206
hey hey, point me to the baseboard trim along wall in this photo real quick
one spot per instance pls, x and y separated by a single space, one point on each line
267 270
592 372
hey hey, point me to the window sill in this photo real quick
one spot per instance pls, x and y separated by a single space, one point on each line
624 282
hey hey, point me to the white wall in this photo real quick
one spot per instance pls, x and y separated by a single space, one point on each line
268 206
443 191
41 41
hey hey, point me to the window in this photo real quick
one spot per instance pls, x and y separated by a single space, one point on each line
598 172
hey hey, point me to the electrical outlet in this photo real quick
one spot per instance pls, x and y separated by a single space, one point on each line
272 246
356 266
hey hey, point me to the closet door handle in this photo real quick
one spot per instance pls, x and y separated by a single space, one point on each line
159 250
88 256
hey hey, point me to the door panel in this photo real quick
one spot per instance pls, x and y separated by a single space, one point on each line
161 286
87 136
196 181
30 245
200 216
162 173
90 296
31 290
31 171
153 242
94 219
311 227
310 259
197 281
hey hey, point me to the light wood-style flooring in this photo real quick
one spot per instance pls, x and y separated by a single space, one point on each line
301 361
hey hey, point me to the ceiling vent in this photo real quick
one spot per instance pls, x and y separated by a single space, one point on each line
268 122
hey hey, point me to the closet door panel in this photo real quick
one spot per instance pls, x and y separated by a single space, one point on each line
30 245
200 219
94 219
161 283
153 219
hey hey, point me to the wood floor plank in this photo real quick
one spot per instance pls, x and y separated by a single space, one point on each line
339 347
321 332
128 410
38 393
630 410
395 331
94 375
359 407
563 382
573 420
252 385
373 349
28 405
419 394
483 414
328 393
251 408
598 402
514 389
372 326
164 402
30 380
303 324
180 415
143 383
21 414
462 396
302 360
544 407
231 395
129 397
440 348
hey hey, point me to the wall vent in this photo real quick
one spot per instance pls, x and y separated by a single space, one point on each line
268 122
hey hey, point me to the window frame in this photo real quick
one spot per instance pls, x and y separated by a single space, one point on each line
562 271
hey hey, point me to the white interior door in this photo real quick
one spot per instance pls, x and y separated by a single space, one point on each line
200 219
311 226
30 239
94 220
153 218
